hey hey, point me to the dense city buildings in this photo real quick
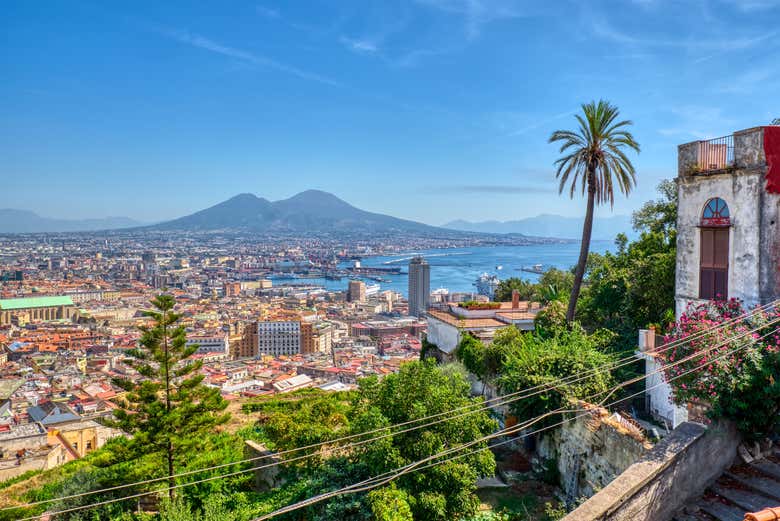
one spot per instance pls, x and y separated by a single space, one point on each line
71 306
419 286
356 291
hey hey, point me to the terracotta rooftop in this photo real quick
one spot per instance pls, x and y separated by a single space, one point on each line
467 323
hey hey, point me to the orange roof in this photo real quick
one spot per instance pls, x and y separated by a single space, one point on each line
466 323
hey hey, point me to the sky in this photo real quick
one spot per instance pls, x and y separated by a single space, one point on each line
431 110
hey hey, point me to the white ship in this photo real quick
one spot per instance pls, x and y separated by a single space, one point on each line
486 285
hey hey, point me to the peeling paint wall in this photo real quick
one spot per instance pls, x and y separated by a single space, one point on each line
754 246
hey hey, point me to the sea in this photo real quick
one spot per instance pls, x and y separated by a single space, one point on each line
456 269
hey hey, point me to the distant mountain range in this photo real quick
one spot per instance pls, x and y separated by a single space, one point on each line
309 211
547 225
25 221
318 212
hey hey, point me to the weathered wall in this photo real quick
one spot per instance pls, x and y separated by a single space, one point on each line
754 245
266 478
742 192
676 470
591 451
769 264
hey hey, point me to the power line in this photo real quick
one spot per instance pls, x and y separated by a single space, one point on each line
383 479
623 384
501 400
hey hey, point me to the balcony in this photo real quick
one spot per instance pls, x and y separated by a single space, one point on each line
712 156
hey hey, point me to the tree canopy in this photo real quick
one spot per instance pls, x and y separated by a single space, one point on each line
594 160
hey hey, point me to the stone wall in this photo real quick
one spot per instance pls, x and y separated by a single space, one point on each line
266 478
673 472
592 450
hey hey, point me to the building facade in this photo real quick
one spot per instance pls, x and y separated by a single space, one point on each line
37 309
356 291
419 286
728 237
277 338
219 343
728 222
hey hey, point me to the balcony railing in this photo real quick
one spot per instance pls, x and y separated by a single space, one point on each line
714 155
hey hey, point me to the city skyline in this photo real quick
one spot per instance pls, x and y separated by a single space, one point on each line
166 109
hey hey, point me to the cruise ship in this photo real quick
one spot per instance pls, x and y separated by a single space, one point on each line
486 285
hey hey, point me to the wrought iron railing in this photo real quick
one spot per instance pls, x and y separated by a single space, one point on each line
715 154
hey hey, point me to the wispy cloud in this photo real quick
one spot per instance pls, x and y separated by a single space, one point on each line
541 122
748 81
358 45
697 122
601 28
476 13
201 42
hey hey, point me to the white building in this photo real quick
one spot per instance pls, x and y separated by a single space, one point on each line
218 343
728 234
728 222
276 338
448 323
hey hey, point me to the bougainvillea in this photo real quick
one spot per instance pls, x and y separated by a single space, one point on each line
728 359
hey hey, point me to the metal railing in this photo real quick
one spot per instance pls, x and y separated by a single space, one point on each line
715 154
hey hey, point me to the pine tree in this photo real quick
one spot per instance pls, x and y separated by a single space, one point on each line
168 410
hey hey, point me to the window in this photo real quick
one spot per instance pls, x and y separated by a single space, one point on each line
714 254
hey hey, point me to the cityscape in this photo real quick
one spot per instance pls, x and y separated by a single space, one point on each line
427 260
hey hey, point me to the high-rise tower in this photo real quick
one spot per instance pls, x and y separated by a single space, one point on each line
419 286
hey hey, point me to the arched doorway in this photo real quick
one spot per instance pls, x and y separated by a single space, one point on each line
714 250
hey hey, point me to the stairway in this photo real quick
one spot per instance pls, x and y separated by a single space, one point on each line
747 487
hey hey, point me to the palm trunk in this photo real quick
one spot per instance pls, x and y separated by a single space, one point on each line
587 228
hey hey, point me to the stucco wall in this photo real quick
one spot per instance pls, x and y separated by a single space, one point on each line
445 336
754 242
659 395
742 192
673 472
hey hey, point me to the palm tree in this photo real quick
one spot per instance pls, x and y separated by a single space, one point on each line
594 159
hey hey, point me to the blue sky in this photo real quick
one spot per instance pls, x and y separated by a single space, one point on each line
428 109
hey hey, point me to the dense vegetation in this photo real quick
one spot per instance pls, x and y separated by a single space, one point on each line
441 492
729 363
515 361
623 291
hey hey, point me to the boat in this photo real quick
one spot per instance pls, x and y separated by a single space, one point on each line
536 268
486 285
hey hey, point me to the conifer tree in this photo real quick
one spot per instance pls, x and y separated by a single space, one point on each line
168 410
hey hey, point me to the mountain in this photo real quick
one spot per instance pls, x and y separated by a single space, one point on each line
309 211
548 225
25 221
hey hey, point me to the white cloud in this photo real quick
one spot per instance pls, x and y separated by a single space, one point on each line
476 13
358 45
202 42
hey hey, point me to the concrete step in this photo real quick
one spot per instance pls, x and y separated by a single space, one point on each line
766 486
767 467
722 512
749 501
